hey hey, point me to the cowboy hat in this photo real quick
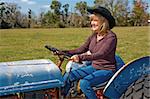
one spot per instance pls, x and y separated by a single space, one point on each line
105 13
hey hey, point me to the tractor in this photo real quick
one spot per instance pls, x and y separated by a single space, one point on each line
43 79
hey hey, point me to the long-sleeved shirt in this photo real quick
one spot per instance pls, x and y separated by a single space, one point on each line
102 51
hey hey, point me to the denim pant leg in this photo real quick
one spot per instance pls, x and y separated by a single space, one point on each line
94 79
75 75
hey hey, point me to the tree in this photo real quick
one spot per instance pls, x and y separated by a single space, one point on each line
56 7
29 18
7 14
65 13
139 14
66 8
119 8
10 16
82 8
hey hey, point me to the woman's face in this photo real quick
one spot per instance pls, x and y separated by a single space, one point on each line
95 22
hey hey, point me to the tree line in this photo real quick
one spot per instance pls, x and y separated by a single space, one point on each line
126 14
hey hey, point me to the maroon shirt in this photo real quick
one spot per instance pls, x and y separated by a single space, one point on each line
103 51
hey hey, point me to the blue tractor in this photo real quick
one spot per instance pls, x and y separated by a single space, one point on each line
42 79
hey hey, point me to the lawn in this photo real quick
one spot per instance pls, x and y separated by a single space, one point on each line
24 44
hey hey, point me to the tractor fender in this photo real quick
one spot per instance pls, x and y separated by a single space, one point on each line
126 75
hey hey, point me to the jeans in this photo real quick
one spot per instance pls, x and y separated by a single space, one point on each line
89 77
72 65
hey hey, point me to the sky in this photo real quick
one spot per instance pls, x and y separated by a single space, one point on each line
38 6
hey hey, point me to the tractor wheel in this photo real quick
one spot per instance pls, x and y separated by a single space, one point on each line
139 89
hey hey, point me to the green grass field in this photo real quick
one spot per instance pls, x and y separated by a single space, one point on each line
24 44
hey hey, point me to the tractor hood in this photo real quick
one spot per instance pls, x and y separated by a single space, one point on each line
28 75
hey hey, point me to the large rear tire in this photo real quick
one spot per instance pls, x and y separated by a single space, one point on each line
139 89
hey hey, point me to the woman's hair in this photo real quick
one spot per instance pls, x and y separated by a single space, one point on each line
105 24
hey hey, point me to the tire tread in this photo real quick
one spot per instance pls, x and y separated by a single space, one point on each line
139 89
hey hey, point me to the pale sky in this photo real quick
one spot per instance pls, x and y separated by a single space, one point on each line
38 6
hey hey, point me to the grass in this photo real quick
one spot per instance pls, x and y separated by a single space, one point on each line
24 44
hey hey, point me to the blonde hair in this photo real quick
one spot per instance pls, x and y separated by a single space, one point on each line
104 27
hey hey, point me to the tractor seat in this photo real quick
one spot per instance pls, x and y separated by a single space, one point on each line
119 64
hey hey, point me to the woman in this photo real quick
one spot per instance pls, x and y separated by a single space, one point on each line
101 46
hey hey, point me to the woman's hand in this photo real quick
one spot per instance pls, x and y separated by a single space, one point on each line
60 52
75 58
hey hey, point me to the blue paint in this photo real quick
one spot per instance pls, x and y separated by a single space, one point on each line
29 75
128 74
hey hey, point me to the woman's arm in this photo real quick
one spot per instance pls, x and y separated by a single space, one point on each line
84 48
106 48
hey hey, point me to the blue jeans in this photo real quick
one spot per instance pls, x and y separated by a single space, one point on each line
89 77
